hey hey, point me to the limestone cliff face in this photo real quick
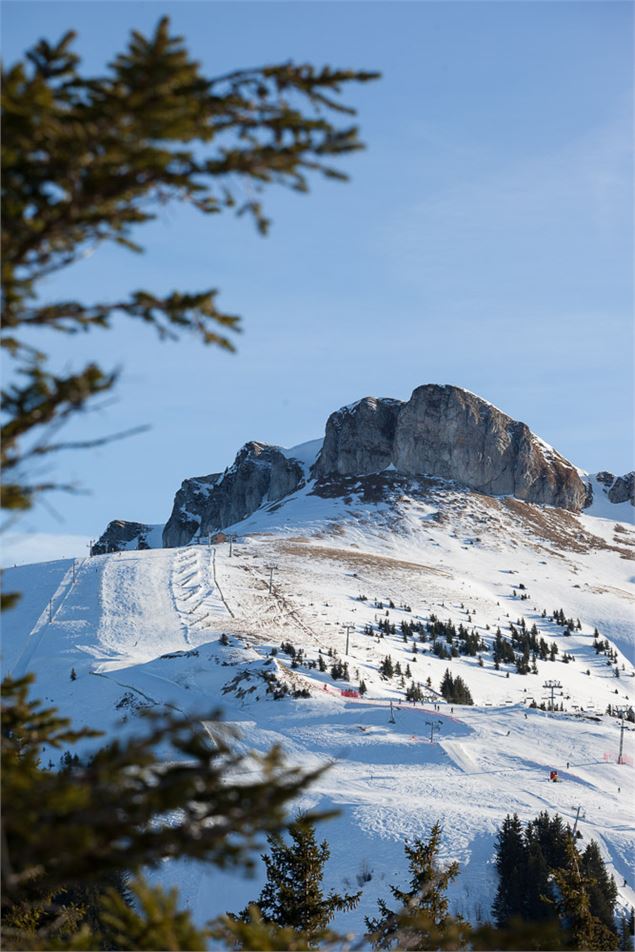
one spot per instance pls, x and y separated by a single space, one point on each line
449 432
446 431
260 473
359 439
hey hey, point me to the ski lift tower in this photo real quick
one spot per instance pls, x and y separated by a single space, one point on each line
434 726
272 568
579 815
621 713
348 629
554 688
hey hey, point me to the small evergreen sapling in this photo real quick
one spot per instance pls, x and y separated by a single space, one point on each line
422 916
292 895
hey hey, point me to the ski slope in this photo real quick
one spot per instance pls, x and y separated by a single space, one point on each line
142 629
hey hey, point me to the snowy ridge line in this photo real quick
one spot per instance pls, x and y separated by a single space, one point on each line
131 687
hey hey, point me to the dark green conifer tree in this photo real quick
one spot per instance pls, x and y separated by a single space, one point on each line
511 862
461 693
447 685
553 835
292 895
386 668
602 888
455 690
545 880
538 900
422 912
574 906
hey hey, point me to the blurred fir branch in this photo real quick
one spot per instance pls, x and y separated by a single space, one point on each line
87 159
71 837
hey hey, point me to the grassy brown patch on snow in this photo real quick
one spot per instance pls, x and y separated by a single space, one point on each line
559 527
611 590
623 536
356 559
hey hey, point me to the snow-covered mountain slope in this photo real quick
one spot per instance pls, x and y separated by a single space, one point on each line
143 628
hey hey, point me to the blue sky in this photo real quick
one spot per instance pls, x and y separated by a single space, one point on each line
485 240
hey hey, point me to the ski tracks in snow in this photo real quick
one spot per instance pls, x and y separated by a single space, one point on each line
197 596
273 613
47 617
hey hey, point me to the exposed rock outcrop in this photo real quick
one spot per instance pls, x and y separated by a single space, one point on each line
190 503
359 439
449 432
446 431
120 535
618 488
260 473
623 489
607 479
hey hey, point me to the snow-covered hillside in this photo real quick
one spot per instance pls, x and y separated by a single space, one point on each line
143 628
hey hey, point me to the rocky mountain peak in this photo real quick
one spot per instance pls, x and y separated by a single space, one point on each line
449 432
442 431
260 473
